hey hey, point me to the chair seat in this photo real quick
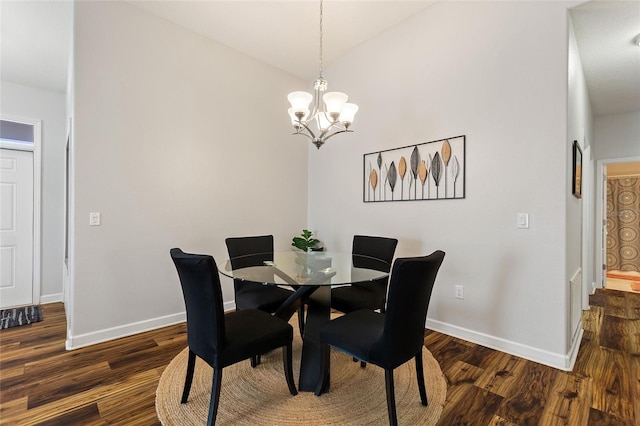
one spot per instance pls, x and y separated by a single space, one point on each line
352 298
253 329
266 298
355 333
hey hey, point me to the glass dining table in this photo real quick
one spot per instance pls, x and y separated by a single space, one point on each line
311 275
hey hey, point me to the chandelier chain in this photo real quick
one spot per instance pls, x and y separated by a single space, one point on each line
330 113
321 35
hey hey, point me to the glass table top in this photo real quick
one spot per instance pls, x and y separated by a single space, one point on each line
300 268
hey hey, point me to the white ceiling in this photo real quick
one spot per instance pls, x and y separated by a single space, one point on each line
35 37
34 42
604 31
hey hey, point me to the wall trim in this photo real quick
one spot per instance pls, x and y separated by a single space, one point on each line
51 298
100 336
556 360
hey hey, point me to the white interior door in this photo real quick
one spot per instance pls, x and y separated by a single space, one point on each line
16 228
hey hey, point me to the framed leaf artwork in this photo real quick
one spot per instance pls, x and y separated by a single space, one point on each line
427 171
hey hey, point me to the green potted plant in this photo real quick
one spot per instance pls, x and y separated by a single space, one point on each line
305 241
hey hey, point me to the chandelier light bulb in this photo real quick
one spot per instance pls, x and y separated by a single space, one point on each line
335 101
300 101
348 113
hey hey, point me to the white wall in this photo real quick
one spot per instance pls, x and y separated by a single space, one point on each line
48 106
497 73
580 217
178 142
617 135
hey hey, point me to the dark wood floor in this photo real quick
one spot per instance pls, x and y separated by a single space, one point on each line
115 382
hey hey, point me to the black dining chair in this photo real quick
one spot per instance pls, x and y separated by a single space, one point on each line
388 339
370 295
254 251
248 295
222 339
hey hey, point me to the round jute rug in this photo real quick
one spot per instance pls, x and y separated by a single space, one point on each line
259 396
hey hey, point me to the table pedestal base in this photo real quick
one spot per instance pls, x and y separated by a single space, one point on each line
319 313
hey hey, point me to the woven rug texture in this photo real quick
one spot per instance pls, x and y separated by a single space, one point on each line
20 316
260 396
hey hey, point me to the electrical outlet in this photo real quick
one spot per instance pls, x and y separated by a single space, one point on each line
459 292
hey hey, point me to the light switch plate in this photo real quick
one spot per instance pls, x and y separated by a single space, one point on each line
523 220
94 219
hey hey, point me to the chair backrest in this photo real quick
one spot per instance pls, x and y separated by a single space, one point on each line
244 246
203 299
410 288
260 245
377 247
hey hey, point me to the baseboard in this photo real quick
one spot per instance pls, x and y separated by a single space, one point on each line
573 352
51 298
555 360
88 339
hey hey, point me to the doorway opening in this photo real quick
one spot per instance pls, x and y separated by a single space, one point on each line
621 226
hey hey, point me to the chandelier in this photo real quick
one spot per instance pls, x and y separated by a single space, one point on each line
330 115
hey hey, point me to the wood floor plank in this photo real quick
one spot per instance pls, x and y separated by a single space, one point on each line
633 331
13 408
569 401
592 319
635 394
469 405
462 373
613 334
501 373
598 418
613 391
42 383
59 386
528 397
499 421
85 415
615 304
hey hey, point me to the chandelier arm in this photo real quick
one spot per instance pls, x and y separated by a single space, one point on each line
337 133
303 134
312 135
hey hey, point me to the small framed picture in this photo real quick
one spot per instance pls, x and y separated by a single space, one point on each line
576 187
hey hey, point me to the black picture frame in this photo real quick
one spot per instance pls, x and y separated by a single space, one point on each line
576 182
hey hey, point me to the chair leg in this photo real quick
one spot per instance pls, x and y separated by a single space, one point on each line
215 396
362 363
420 374
255 361
301 319
191 363
323 382
391 397
287 357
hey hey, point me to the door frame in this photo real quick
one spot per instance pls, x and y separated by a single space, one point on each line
601 244
37 191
